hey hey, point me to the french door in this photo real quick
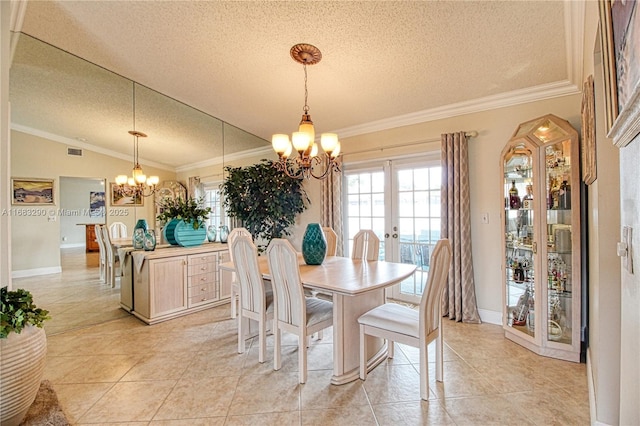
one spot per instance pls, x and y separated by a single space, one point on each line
400 201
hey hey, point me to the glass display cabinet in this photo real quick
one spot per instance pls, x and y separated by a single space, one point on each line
541 239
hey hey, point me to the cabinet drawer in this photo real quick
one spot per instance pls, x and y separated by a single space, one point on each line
201 299
199 259
202 279
201 289
202 268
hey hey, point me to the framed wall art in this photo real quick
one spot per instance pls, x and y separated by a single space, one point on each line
118 199
620 37
32 191
96 204
588 139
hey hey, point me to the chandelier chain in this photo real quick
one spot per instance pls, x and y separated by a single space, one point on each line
306 92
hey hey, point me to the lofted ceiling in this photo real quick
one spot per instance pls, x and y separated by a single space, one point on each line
384 64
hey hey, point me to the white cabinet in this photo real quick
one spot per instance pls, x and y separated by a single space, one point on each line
541 238
175 281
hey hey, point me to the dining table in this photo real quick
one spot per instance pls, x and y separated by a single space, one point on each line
356 286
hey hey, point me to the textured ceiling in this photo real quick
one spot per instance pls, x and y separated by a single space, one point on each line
381 60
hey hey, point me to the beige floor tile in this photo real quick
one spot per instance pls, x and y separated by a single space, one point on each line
485 410
157 366
392 383
193 398
318 392
89 369
209 421
224 361
412 413
551 407
289 418
266 393
78 398
358 415
129 401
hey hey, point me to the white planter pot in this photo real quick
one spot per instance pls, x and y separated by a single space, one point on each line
22 361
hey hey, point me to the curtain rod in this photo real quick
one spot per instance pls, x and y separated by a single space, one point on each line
469 134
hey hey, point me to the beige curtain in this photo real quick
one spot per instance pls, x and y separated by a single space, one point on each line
331 204
196 188
459 300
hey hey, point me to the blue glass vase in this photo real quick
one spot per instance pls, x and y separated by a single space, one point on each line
314 245
211 233
138 233
149 241
224 233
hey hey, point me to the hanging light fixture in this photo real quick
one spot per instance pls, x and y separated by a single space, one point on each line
136 185
303 141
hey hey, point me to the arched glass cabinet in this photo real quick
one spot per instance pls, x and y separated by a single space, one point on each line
541 239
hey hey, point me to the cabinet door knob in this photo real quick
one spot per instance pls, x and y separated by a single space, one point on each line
203 278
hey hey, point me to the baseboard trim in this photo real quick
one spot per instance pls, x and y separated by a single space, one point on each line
491 317
72 245
35 272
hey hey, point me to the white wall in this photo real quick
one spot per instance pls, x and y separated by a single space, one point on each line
630 311
603 268
75 204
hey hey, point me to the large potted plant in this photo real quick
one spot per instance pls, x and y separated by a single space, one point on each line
23 345
184 221
265 199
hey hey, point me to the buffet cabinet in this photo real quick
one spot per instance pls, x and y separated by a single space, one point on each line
541 238
174 281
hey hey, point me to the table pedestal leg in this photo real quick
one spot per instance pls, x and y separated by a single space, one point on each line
346 335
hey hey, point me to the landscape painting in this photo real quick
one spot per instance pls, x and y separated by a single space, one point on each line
32 191
96 204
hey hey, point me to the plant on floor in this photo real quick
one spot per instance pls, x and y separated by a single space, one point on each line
266 200
19 311
189 210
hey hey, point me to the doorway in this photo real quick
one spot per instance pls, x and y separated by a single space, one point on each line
400 201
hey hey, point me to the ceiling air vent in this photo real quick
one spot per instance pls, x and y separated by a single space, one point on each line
74 151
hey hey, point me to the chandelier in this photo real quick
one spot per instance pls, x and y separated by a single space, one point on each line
306 157
137 185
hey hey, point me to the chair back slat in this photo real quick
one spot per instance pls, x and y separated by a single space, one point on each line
245 258
366 245
436 280
287 285
235 233
118 230
332 240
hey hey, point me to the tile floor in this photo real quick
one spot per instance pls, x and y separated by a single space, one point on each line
109 368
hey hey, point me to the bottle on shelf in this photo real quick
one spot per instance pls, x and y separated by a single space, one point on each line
527 200
514 198
564 196
554 192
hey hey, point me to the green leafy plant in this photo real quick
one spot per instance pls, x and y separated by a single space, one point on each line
189 210
19 311
265 199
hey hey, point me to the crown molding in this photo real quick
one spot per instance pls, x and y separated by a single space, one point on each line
516 97
78 144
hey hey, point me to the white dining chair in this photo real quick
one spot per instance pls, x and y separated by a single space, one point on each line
294 313
366 245
111 258
103 253
332 240
417 328
255 302
235 286
118 230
